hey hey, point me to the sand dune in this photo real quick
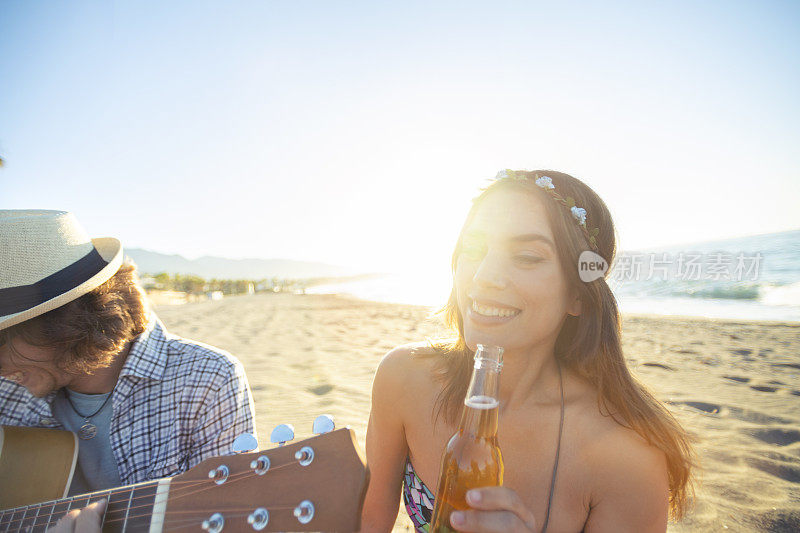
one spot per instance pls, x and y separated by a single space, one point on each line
734 384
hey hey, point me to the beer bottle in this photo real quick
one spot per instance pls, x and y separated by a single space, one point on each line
472 457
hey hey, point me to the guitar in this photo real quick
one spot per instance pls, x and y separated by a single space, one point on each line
317 484
44 458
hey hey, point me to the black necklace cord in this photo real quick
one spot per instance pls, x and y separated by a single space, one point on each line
558 451
66 394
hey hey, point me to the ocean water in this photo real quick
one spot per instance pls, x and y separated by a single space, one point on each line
751 278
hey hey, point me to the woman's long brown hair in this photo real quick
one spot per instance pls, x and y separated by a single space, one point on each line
588 344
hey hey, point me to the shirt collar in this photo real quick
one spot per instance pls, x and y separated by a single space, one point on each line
147 356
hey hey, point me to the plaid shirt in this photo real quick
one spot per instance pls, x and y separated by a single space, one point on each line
176 403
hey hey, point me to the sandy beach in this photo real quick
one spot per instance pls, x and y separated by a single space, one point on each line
734 384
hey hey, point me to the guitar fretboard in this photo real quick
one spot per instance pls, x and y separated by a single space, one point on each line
129 509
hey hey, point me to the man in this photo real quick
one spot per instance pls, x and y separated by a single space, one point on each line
80 351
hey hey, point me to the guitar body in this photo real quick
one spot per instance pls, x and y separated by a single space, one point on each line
35 464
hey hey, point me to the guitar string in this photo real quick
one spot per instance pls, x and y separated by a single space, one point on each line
129 517
184 496
192 522
204 514
107 494
102 494
85 499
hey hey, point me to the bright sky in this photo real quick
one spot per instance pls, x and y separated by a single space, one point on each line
355 133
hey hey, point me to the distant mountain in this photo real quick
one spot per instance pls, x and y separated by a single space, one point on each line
221 268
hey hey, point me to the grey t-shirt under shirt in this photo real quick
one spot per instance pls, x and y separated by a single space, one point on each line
96 468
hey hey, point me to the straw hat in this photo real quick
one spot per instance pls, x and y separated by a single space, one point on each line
47 260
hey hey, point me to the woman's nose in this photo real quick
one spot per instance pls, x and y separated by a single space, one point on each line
490 273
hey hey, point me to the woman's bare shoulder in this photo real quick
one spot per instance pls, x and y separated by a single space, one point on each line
608 446
406 368
628 481
408 359
620 447
619 461
606 437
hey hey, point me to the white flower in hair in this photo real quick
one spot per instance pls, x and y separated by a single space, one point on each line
580 214
545 182
501 175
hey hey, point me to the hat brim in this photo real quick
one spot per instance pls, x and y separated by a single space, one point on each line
110 249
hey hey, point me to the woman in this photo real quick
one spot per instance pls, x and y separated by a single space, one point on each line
585 446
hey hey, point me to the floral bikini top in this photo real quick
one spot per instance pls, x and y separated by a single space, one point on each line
418 499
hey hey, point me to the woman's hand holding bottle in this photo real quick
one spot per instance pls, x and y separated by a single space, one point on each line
494 510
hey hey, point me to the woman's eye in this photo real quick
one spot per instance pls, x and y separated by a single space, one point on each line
528 259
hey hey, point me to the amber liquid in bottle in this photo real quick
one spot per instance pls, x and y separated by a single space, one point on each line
472 457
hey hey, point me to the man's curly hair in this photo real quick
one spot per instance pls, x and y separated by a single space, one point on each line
89 331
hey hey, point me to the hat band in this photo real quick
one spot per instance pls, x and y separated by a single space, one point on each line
23 297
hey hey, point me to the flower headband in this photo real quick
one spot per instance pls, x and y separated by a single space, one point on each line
546 183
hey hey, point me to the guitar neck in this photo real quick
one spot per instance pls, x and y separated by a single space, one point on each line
130 508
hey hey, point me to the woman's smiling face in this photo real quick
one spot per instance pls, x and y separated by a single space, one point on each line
510 287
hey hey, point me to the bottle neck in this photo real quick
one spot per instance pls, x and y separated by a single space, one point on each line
485 380
481 405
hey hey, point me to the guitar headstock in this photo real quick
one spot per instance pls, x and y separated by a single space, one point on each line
317 484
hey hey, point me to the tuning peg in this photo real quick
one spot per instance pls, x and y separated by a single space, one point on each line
304 512
258 519
281 434
246 442
215 523
323 424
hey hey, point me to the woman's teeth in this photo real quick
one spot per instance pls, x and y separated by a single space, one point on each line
486 310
